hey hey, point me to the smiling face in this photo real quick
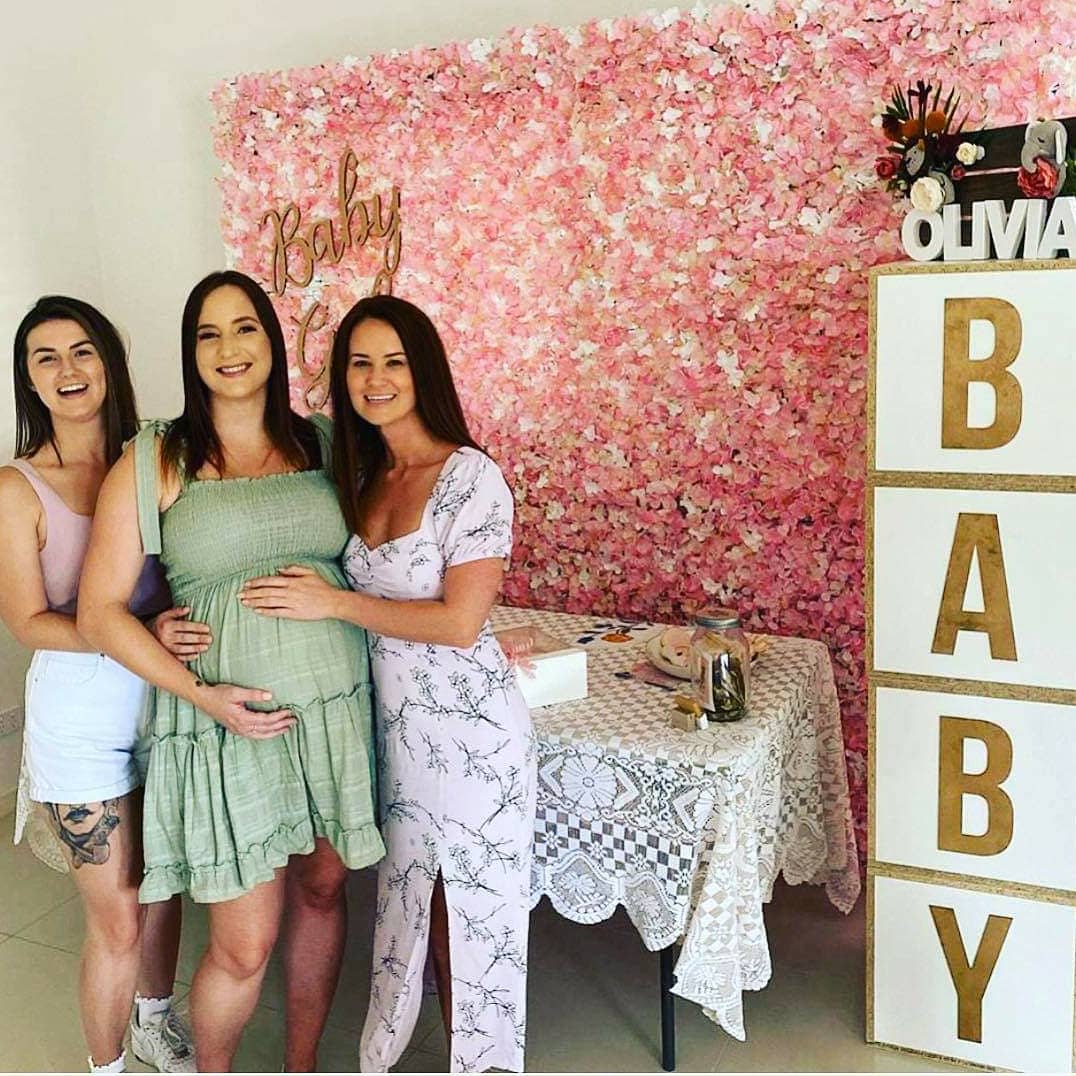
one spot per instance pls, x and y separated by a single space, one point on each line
232 350
379 381
66 371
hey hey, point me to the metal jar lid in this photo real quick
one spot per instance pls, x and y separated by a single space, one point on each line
718 618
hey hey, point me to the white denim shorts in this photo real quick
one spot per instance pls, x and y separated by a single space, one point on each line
85 730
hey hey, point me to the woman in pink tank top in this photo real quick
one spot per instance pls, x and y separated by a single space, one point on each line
74 409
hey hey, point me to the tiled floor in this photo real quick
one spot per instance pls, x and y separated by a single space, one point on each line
593 992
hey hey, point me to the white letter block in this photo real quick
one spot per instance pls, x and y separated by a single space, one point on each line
913 537
1042 851
1028 1002
909 338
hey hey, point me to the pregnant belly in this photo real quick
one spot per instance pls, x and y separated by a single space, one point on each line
298 661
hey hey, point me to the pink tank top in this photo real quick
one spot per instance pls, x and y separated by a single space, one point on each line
66 541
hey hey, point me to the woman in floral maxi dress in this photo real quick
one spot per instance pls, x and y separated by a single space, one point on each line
431 518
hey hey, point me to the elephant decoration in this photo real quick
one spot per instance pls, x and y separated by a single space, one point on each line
1046 140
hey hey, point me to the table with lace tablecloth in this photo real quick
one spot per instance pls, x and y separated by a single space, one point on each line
689 830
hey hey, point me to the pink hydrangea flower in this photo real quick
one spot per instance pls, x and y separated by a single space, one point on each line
645 241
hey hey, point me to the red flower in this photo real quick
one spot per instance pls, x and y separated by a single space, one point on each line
957 173
886 167
1038 184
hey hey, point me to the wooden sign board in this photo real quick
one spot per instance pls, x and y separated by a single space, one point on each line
975 371
994 177
975 585
971 603
951 771
980 976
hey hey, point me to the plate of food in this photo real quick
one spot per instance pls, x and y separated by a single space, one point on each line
670 650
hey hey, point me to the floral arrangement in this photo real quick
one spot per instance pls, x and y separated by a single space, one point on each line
1046 168
645 241
928 152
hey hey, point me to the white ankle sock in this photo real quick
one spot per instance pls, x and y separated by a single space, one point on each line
119 1065
150 1008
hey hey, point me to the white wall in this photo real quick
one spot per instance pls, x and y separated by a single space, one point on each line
107 187
46 218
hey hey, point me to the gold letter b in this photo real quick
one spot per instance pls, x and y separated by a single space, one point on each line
959 370
954 784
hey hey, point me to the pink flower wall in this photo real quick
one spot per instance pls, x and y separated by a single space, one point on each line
645 242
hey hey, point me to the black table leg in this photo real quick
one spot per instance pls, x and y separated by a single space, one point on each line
667 957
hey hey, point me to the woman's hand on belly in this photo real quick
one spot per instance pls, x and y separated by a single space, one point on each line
227 705
295 592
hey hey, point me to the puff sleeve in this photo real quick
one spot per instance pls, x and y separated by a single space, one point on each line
473 510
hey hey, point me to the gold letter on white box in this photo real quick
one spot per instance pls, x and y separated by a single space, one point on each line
959 369
954 784
978 535
970 979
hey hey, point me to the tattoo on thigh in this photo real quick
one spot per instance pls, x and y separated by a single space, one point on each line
85 828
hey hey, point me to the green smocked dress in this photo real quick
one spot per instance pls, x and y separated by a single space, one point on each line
222 812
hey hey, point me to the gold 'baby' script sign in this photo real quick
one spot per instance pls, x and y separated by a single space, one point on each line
299 248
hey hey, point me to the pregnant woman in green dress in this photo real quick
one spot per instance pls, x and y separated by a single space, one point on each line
260 787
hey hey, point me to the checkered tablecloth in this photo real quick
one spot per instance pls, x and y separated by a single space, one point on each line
688 831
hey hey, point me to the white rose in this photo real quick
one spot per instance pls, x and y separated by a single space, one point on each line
927 195
967 152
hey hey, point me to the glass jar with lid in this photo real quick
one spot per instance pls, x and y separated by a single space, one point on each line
720 664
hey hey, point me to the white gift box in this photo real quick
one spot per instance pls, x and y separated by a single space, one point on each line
555 671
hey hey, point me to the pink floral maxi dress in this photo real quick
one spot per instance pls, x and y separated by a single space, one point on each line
456 761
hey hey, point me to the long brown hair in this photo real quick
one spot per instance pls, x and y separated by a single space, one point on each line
33 420
358 448
191 441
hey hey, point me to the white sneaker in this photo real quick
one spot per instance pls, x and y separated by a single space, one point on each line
164 1043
